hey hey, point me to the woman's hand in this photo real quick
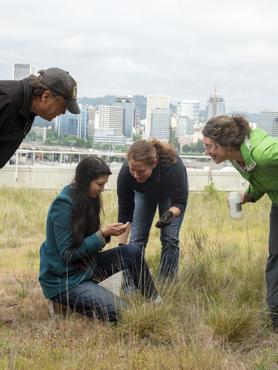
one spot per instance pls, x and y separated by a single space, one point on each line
114 229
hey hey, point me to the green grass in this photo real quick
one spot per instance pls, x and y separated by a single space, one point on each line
213 317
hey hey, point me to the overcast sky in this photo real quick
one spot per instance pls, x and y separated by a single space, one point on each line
179 48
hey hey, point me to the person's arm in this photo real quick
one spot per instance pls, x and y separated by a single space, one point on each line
123 238
61 215
178 184
125 194
265 155
4 110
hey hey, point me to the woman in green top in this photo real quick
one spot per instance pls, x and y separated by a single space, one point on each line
255 155
72 259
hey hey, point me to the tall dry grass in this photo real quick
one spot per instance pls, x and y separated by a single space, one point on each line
212 317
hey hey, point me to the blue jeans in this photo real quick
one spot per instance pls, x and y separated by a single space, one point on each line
92 300
143 216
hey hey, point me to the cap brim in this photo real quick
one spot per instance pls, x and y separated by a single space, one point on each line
72 106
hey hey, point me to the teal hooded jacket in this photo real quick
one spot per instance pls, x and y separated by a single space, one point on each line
260 155
61 266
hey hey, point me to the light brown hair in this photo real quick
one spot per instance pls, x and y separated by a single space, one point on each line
150 150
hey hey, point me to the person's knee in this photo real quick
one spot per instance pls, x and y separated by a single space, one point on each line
170 242
135 249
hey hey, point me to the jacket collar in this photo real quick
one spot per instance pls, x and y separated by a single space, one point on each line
25 110
245 150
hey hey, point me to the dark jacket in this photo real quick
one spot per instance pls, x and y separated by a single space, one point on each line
61 266
16 117
165 181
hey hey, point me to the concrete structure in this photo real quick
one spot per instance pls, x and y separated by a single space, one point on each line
216 105
106 135
154 102
91 121
185 126
66 124
56 176
129 114
190 109
111 117
73 124
160 124
268 121
21 71
82 119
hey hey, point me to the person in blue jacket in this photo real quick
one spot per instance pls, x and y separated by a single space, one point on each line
72 260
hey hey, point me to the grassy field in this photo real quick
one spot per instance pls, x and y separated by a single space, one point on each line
214 317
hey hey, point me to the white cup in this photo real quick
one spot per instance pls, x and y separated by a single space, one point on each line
235 205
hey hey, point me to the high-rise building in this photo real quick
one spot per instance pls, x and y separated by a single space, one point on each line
73 124
82 127
91 121
21 71
185 126
216 105
188 112
155 102
160 124
190 109
129 113
268 121
67 124
111 117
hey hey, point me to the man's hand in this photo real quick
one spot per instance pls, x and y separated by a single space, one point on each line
165 219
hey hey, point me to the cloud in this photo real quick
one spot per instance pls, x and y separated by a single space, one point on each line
178 48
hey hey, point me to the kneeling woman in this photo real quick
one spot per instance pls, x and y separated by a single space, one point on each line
72 260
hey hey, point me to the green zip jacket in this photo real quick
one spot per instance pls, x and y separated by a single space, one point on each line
61 266
260 155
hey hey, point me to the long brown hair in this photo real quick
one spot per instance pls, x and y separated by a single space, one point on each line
150 150
86 210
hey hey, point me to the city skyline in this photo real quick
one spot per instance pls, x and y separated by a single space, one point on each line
181 49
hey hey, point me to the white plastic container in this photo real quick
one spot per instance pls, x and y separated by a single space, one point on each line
235 205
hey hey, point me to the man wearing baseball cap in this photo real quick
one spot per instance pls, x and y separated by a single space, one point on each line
47 95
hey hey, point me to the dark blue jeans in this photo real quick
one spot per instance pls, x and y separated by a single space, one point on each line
92 300
144 213
272 266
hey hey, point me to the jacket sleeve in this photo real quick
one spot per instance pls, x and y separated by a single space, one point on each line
125 194
254 193
4 109
266 156
61 215
179 187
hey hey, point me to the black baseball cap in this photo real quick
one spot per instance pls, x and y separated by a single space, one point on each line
61 82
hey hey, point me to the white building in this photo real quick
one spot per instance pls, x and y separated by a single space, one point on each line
216 105
111 117
268 121
190 109
155 102
91 121
21 71
160 124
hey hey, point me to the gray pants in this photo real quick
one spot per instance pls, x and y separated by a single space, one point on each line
271 271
